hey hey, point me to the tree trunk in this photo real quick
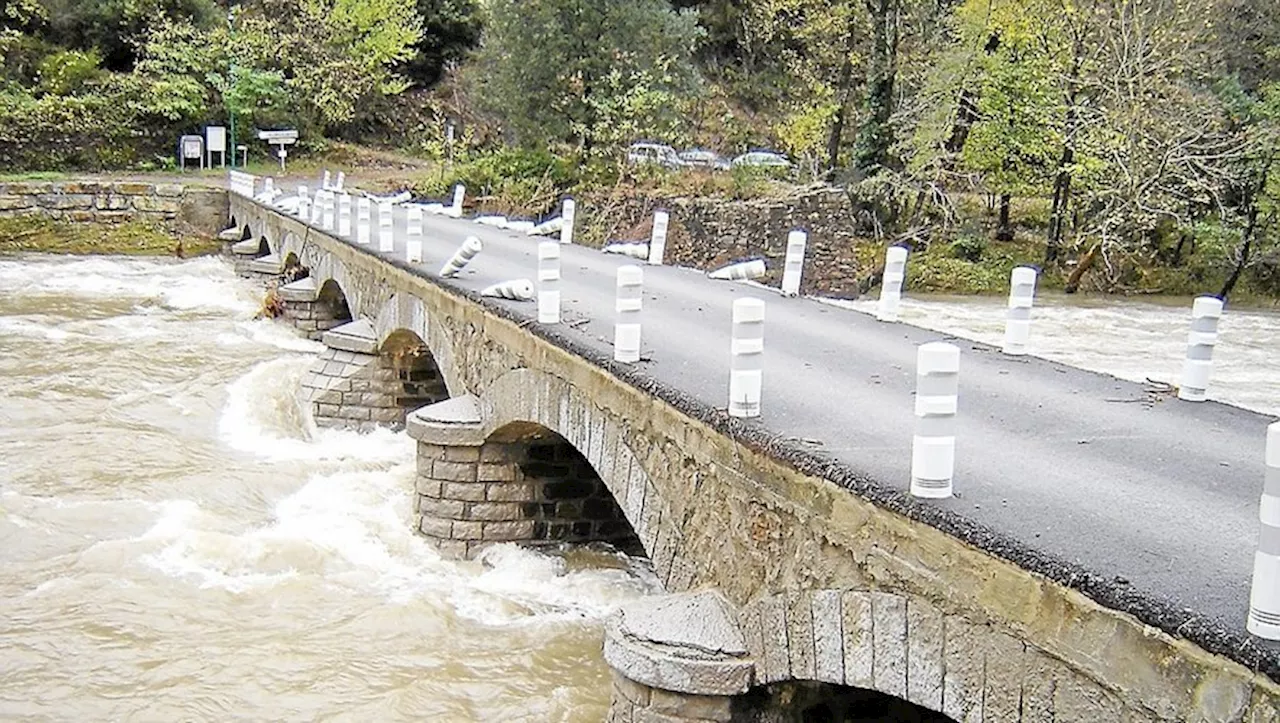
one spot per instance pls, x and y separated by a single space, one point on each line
1176 261
1250 230
1062 182
844 86
1004 232
875 136
1086 262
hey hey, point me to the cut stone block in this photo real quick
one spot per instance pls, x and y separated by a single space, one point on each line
300 290
357 336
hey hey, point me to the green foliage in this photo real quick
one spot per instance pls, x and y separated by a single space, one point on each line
55 132
589 73
68 72
449 29
968 248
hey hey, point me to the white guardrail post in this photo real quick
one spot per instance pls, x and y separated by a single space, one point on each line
386 228
1022 296
793 267
895 271
1205 313
344 214
658 240
459 195
568 210
413 235
1264 600
548 282
746 371
626 327
933 448
362 220
304 204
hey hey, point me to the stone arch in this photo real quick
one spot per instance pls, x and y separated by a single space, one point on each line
409 375
293 269
406 312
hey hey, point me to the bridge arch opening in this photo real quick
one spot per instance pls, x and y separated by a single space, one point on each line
331 305
805 701
293 269
526 484
410 375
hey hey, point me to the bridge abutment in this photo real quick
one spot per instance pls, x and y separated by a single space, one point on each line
521 484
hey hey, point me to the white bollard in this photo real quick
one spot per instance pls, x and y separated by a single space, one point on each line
746 370
548 227
413 235
269 187
516 290
386 228
342 180
634 250
567 211
1205 313
895 271
461 257
794 265
344 215
1264 600
304 208
362 220
933 448
1022 295
740 271
548 282
658 240
459 195
626 328
317 207
330 217
324 184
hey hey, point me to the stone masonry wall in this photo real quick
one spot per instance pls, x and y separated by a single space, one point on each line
315 317
634 702
179 207
366 391
707 233
523 491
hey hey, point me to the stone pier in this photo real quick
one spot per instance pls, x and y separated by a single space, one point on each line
521 483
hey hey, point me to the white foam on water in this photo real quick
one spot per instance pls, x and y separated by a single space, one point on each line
266 416
271 333
27 329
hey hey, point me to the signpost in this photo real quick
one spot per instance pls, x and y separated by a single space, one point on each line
280 138
190 148
216 142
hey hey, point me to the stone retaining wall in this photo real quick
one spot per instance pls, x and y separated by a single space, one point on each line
707 233
179 207
365 391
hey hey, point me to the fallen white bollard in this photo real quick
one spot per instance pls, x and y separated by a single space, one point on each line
461 257
634 250
740 271
516 290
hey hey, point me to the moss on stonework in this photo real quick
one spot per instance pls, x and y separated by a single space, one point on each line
135 238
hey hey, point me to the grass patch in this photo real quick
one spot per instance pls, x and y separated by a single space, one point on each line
25 234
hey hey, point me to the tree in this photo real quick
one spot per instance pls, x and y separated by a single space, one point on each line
450 28
560 70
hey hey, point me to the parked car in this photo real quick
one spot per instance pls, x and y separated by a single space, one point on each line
703 158
768 159
640 154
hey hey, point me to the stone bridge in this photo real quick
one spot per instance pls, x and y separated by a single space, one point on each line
802 582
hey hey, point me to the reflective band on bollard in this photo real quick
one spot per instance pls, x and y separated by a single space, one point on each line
933 448
516 290
794 265
413 235
740 271
461 257
548 282
626 328
746 371
658 240
1264 600
568 209
362 220
459 195
1205 312
895 270
1022 295
344 215
386 228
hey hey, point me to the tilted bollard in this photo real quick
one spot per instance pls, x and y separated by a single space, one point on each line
1264 600
740 271
413 235
548 282
794 267
1205 313
344 215
516 290
1022 295
626 328
746 370
386 228
933 448
634 250
461 257
459 195
568 210
362 220
895 271
658 240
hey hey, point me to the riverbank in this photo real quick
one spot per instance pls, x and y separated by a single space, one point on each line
36 234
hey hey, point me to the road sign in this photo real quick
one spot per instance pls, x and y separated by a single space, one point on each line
215 142
190 147
279 137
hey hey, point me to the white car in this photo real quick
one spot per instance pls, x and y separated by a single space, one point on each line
641 154
762 159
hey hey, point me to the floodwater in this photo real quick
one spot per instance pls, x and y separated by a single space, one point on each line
178 542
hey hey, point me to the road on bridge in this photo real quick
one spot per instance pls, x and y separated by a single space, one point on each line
1162 496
